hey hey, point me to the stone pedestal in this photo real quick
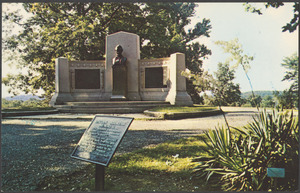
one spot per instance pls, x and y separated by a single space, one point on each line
177 94
62 82
120 87
131 50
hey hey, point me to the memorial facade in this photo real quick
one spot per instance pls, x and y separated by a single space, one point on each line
147 79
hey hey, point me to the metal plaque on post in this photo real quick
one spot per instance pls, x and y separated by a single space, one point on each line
101 139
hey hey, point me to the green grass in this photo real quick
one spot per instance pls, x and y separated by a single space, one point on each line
183 109
29 105
148 169
27 109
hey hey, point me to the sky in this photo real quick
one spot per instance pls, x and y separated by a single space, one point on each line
260 35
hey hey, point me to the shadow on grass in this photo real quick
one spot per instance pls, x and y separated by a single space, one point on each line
37 157
131 172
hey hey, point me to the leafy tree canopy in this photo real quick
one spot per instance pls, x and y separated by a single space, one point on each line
201 81
255 100
235 49
291 26
224 90
77 31
292 65
289 98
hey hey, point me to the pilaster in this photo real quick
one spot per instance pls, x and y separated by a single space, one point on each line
177 93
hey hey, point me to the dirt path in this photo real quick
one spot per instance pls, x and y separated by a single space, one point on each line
33 149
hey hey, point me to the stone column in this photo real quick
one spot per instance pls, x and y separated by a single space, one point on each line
62 82
131 50
177 94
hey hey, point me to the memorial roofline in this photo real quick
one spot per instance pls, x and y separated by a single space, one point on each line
123 33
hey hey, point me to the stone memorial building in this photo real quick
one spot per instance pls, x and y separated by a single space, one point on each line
149 81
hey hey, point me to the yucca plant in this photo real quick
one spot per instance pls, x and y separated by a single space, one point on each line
239 160
278 147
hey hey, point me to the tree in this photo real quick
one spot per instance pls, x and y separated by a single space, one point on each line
268 101
198 82
176 39
77 31
224 90
291 64
235 49
289 98
255 100
291 26
285 100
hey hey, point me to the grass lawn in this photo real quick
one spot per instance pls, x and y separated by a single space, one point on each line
27 109
183 109
29 105
165 167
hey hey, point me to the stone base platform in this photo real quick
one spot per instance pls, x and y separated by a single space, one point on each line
183 115
109 107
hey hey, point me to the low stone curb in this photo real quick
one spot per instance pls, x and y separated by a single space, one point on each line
184 115
28 113
57 115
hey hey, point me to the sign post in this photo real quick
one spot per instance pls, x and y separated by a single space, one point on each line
99 177
275 173
99 143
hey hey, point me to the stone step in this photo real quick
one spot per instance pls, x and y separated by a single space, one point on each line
117 103
102 110
110 107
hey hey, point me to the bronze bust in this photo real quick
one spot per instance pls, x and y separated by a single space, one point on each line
119 59
119 66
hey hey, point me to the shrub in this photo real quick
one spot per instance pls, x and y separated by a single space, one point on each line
239 158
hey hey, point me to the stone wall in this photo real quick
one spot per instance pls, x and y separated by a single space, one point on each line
150 92
157 79
78 80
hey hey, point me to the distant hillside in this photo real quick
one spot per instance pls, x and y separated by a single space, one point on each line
23 97
261 93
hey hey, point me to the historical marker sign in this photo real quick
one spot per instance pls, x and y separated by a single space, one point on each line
101 139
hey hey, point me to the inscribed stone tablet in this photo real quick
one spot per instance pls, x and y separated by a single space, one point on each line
100 141
154 78
87 79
